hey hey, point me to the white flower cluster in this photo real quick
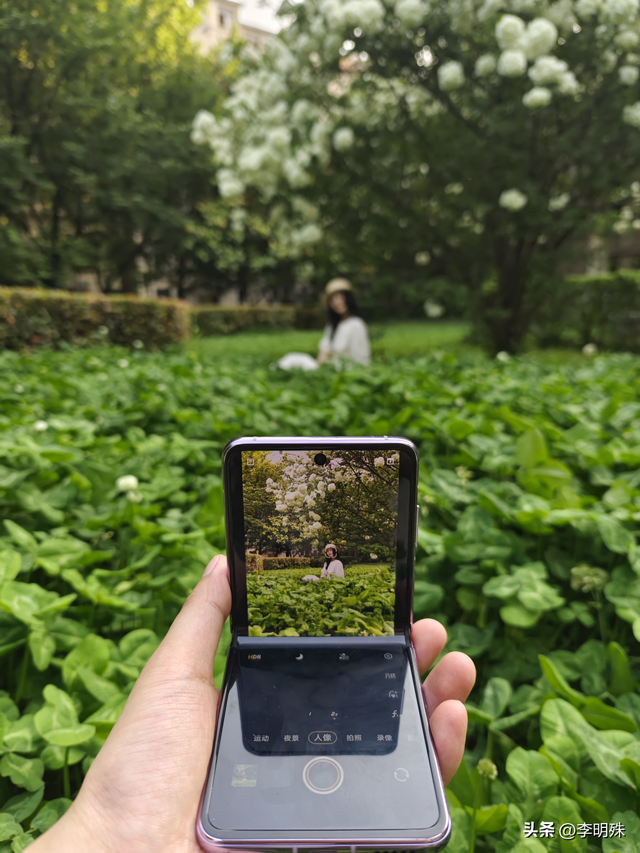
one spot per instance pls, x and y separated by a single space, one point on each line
559 202
368 15
268 139
537 97
411 13
451 75
512 200
523 43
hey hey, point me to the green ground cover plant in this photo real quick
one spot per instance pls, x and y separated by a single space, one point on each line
528 552
360 604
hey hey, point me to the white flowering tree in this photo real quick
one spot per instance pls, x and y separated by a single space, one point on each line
297 506
479 135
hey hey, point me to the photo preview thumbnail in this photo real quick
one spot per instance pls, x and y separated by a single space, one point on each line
320 541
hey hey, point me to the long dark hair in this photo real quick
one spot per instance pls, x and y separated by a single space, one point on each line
352 307
328 560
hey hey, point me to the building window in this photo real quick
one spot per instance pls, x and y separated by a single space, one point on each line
225 20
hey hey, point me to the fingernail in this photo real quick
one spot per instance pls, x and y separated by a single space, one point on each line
211 566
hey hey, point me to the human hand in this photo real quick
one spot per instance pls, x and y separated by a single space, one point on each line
143 790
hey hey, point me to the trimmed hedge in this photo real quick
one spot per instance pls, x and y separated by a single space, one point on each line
208 320
31 316
602 309
257 563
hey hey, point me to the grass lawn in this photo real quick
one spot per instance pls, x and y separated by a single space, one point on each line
393 340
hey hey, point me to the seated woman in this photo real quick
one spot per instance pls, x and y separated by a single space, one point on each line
345 338
332 568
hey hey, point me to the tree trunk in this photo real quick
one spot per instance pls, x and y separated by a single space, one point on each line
505 311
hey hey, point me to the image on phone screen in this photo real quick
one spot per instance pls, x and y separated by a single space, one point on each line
320 541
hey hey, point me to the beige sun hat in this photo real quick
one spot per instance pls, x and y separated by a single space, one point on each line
330 545
336 285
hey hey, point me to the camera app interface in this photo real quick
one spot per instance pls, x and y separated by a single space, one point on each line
320 541
323 700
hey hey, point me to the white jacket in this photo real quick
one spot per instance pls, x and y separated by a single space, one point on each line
350 341
335 568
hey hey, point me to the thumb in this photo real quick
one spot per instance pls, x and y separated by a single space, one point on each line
189 648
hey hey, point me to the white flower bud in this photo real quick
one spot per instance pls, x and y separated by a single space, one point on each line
128 483
41 426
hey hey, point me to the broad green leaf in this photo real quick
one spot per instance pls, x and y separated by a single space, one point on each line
106 717
9 827
603 716
55 757
460 828
630 841
101 688
21 536
496 697
616 537
533 774
558 683
71 735
49 814
91 653
531 449
21 842
23 772
42 647
475 715
622 680
22 735
632 769
23 805
559 811
604 755
10 563
490 819
519 616
464 784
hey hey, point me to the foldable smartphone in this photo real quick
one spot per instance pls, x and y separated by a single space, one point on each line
322 739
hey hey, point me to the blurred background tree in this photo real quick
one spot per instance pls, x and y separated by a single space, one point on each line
97 171
386 138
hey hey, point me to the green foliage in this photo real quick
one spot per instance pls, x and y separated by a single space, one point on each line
601 309
29 316
98 175
528 552
360 605
210 320
37 316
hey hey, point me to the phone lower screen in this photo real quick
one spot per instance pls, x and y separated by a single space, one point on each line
317 738
320 530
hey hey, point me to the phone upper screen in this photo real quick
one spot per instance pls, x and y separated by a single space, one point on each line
320 541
